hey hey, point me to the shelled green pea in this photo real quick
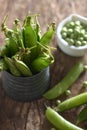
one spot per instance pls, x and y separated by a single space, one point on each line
75 33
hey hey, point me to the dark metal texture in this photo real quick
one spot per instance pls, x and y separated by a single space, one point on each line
26 88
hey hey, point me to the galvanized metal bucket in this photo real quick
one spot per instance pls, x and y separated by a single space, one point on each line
26 88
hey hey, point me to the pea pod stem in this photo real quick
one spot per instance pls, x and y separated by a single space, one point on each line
73 102
66 82
18 34
59 122
3 25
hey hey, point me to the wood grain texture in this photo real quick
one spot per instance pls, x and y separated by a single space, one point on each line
31 115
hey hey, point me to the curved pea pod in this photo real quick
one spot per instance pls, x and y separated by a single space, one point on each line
41 62
66 82
11 41
58 121
12 46
22 67
73 102
12 68
82 116
29 37
4 51
47 37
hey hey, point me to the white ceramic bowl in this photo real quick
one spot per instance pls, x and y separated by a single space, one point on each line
63 45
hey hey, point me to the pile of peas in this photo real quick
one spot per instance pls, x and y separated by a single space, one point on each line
75 33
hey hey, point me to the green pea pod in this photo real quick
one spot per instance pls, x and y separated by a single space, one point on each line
47 37
82 116
73 102
11 40
29 36
11 66
66 82
4 51
58 121
12 46
22 67
11 43
41 62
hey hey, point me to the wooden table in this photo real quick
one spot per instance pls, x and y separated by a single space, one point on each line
31 115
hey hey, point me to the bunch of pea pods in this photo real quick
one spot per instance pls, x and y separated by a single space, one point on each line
26 51
80 100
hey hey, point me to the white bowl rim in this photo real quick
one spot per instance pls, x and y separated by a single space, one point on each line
61 24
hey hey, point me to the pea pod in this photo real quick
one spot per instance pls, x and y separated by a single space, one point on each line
4 51
58 121
14 38
66 82
82 116
22 67
12 68
29 36
12 46
11 41
73 102
47 37
41 62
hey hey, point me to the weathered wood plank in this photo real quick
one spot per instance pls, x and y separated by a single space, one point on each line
31 115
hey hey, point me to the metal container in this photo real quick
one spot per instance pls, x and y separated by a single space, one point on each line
26 88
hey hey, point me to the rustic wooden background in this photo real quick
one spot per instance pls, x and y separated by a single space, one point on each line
31 115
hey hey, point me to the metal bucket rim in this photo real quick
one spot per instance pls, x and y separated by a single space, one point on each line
25 77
